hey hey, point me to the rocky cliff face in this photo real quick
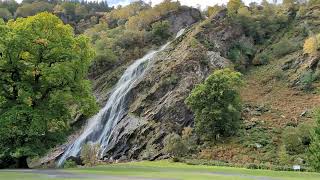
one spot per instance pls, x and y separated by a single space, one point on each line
157 105
105 76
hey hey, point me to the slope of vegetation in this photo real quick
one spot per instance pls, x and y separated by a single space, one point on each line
265 118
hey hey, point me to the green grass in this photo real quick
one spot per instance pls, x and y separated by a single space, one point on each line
166 169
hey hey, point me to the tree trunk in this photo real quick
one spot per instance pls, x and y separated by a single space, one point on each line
22 162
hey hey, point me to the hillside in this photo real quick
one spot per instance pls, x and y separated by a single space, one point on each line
233 85
274 98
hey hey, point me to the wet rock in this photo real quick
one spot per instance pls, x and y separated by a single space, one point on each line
157 106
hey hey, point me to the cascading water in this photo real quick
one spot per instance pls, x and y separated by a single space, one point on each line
100 126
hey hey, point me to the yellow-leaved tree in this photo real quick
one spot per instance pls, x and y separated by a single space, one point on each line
311 45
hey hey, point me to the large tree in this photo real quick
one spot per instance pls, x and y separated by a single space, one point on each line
43 69
216 105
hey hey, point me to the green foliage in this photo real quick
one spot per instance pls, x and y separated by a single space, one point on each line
297 139
32 9
174 145
70 164
89 154
43 68
214 10
284 157
241 53
262 59
5 14
216 104
121 15
145 18
160 32
233 6
307 79
11 5
260 22
284 47
254 136
314 148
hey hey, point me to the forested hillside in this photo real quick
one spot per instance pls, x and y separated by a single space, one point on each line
238 87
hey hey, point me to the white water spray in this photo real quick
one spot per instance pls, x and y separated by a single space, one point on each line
100 127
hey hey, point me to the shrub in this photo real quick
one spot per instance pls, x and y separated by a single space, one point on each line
89 154
70 164
5 14
284 47
32 9
160 32
292 141
311 45
216 104
314 149
307 80
262 59
190 140
297 139
173 145
284 158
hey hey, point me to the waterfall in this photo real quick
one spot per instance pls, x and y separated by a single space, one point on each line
100 127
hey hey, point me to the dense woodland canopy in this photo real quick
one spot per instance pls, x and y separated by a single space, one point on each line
38 99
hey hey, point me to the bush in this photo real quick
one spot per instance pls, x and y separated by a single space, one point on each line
160 32
262 59
241 53
5 14
296 140
307 80
314 149
32 9
69 164
284 47
173 145
216 105
189 139
89 154
311 45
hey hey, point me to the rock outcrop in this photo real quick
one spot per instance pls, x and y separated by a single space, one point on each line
157 104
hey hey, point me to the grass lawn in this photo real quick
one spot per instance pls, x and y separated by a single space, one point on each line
167 170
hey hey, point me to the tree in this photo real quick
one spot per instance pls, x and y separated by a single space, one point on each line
311 45
32 9
214 10
160 31
216 104
314 148
11 5
43 67
89 154
233 7
5 14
